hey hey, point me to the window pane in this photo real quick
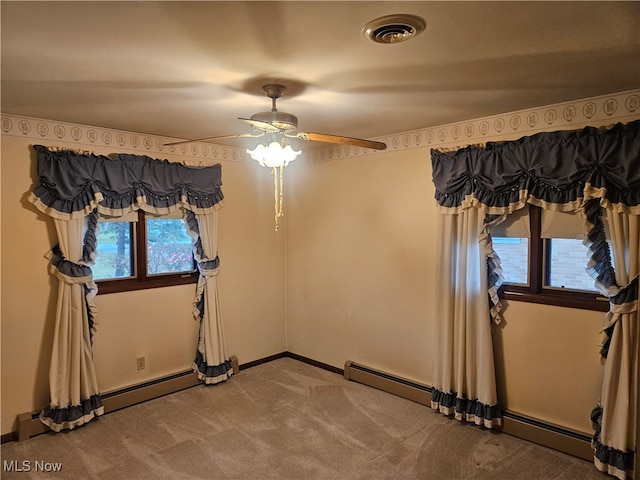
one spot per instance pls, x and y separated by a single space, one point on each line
169 246
567 261
514 259
114 258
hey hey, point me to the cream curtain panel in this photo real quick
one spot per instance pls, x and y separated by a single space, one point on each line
211 364
614 415
72 377
74 189
593 172
464 374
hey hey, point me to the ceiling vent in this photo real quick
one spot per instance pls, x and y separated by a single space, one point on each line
394 28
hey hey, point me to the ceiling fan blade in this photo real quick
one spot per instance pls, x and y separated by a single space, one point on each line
264 126
324 137
219 137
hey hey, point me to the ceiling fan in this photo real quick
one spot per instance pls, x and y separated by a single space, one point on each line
277 122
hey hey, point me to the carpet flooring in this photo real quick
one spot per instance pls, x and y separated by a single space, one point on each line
285 420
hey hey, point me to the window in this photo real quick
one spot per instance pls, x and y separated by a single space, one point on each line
143 251
514 259
543 265
565 264
169 247
115 251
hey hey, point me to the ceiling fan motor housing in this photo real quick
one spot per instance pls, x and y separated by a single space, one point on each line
281 120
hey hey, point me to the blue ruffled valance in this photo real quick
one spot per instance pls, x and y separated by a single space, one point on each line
72 185
563 169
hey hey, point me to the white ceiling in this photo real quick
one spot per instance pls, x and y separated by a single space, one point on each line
189 69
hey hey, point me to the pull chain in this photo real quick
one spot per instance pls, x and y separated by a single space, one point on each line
278 192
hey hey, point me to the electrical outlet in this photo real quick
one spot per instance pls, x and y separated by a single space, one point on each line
141 363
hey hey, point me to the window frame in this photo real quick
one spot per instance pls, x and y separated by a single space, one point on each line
140 279
536 291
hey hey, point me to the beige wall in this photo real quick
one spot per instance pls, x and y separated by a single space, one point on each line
360 261
156 323
547 363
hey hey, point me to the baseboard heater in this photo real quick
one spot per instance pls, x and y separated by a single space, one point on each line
29 424
536 431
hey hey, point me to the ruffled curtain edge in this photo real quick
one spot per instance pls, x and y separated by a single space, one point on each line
524 197
462 409
211 374
494 267
141 203
606 459
68 418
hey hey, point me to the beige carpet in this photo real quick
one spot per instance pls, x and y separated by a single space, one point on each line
286 420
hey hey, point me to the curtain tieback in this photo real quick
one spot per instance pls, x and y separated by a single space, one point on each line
626 301
66 270
209 268
72 273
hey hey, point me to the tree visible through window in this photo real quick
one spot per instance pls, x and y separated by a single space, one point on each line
114 251
169 246
149 252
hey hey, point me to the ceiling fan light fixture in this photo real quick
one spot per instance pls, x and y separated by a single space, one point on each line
276 156
392 29
273 155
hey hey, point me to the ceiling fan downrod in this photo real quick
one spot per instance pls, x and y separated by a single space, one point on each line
274 91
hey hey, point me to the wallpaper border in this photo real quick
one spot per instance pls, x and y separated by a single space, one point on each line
596 111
